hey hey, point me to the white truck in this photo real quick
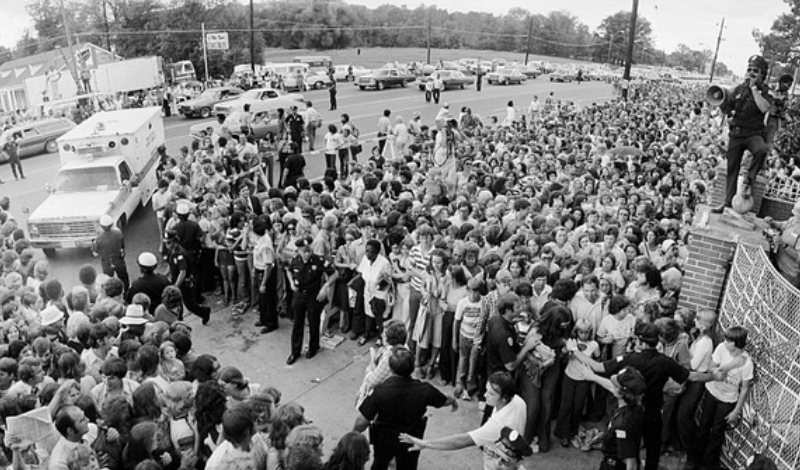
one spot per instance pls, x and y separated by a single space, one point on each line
108 167
128 75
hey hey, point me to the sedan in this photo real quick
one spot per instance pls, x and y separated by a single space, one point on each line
258 95
450 78
382 78
318 79
203 104
342 73
506 77
563 76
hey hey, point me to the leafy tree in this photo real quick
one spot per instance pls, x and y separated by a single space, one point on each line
613 34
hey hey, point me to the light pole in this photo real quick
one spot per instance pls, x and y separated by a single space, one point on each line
252 42
716 52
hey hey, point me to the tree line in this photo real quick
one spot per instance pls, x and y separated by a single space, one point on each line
171 29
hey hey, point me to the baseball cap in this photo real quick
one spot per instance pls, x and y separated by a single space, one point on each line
629 379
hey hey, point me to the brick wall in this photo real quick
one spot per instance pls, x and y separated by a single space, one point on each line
778 210
709 258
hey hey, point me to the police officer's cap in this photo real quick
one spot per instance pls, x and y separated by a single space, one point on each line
758 61
514 444
106 221
182 209
147 260
303 242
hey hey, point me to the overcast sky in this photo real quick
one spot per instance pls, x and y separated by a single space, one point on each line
691 22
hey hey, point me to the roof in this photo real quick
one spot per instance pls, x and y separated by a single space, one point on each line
124 121
15 72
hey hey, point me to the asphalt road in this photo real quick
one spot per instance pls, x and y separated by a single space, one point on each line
327 384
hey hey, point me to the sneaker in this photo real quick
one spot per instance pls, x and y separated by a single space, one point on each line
465 396
458 391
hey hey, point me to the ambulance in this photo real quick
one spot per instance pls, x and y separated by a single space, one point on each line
108 167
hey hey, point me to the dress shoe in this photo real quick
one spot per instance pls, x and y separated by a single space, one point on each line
311 353
718 209
205 314
291 360
259 324
268 329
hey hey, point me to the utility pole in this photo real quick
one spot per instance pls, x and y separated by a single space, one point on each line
70 60
528 46
429 37
205 54
105 20
626 78
252 42
716 52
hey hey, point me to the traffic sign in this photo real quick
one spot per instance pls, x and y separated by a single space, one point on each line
217 41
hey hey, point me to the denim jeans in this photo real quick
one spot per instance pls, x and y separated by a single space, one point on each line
706 448
466 368
540 400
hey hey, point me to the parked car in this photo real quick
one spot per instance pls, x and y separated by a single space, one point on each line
530 71
382 78
450 78
205 103
36 137
506 77
317 79
340 72
563 76
204 129
259 95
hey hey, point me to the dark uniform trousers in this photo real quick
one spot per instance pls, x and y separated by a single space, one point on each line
116 265
388 446
736 147
268 300
305 304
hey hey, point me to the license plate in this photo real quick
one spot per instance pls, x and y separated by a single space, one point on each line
68 244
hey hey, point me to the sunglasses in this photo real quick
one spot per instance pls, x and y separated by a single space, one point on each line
753 70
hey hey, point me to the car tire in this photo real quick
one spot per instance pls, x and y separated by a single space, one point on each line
49 252
462 86
506 82
205 113
403 84
361 87
317 85
51 146
551 79
379 85
122 221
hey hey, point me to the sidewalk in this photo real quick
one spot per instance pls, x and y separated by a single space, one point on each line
326 387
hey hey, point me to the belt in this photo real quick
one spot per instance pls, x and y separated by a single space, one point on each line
308 291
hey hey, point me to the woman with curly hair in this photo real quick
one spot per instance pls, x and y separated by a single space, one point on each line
286 418
148 408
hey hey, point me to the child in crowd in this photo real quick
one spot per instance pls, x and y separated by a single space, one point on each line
169 367
468 313
574 389
616 329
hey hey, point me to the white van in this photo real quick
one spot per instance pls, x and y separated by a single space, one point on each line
288 72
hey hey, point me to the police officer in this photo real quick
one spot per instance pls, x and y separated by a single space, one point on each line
12 150
296 125
150 282
190 237
110 246
747 106
625 429
179 273
656 369
308 276
398 406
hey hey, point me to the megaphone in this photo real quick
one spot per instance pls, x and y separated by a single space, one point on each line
716 95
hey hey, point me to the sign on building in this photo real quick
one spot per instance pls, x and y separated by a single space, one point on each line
217 41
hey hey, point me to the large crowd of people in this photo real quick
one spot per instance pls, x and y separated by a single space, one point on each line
531 263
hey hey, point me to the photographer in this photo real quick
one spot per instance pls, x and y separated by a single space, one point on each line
784 246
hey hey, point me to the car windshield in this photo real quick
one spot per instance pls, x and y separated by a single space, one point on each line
102 178
209 94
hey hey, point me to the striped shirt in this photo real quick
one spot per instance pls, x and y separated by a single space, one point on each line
418 261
